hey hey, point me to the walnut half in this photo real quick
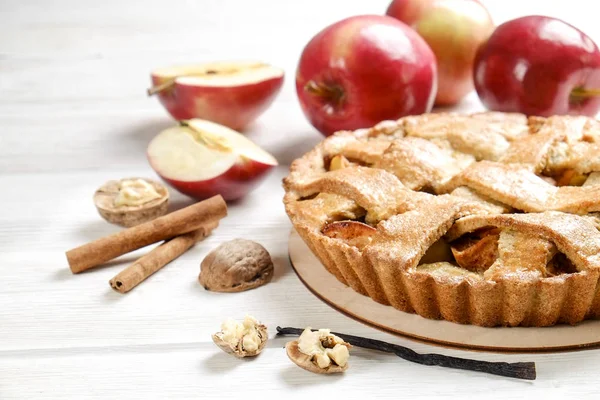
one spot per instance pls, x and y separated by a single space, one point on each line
236 266
245 339
131 201
319 352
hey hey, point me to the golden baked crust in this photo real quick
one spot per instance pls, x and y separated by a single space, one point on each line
487 219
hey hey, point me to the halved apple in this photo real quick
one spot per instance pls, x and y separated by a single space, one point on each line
229 93
200 158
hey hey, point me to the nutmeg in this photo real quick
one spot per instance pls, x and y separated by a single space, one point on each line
236 266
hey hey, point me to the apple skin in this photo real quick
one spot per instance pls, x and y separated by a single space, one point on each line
232 106
363 70
532 65
409 11
168 98
454 29
233 184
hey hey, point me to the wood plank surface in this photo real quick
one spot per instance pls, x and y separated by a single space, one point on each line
74 113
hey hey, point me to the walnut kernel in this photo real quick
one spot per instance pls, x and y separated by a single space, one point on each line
245 339
319 352
131 201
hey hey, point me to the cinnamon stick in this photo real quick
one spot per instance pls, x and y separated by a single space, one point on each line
168 226
137 272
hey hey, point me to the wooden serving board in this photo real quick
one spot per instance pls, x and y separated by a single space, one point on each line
362 308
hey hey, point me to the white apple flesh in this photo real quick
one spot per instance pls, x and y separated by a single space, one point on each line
201 159
233 94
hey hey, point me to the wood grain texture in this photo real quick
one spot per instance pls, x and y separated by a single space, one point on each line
74 114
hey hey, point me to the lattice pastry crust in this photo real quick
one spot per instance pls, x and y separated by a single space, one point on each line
487 219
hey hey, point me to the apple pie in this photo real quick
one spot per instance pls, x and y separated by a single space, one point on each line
488 219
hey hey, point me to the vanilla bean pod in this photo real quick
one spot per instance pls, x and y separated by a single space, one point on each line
520 370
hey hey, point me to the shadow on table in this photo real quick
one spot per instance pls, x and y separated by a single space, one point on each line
296 376
180 202
281 267
144 131
295 147
95 230
112 295
221 362
62 274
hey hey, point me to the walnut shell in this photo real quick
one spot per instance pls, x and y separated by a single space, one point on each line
128 216
236 266
305 361
238 350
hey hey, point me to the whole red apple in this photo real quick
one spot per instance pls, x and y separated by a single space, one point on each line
362 70
539 66
233 94
201 159
454 29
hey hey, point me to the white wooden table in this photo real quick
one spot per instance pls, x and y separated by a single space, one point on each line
73 114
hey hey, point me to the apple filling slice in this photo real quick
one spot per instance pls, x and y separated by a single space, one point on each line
477 251
354 233
570 177
498 253
339 162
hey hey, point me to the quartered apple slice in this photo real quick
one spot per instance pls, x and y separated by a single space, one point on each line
201 159
230 93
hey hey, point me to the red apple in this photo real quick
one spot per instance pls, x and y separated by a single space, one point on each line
539 66
454 29
233 94
362 70
200 158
